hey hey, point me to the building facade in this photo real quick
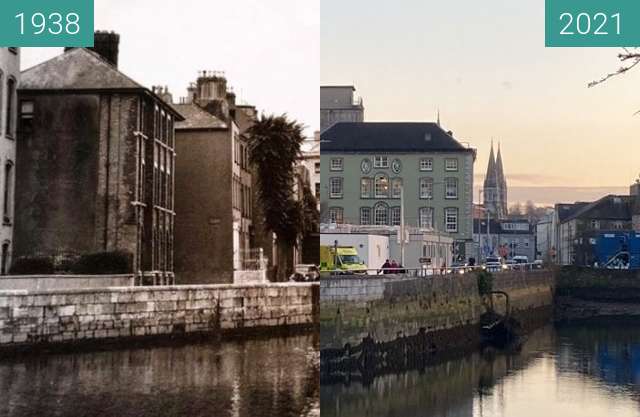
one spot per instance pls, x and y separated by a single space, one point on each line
214 191
95 162
504 238
339 103
9 81
311 161
367 167
495 187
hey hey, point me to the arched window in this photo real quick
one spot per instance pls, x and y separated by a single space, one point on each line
381 214
382 186
8 192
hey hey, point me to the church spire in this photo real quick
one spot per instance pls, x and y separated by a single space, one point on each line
491 179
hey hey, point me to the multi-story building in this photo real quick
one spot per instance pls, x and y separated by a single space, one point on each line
339 103
95 162
369 169
213 183
9 80
311 160
506 238
495 187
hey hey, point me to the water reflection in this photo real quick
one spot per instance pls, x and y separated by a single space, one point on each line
274 377
585 370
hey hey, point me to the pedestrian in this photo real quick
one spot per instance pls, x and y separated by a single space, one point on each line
385 267
394 267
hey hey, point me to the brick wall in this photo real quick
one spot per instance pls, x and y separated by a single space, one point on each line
353 307
30 317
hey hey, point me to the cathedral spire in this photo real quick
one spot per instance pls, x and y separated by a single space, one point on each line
491 179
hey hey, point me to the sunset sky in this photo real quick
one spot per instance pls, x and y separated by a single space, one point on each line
484 65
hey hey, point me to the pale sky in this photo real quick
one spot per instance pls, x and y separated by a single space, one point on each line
485 66
269 50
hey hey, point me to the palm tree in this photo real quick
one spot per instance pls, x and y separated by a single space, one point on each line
274 149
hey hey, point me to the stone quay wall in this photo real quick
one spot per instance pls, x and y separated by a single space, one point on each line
386 307
32 318
56 282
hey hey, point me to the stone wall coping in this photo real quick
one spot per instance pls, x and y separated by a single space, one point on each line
64 276
8 293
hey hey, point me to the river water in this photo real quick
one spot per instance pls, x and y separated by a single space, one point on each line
591 369
261 377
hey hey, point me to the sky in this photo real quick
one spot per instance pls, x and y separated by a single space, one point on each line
269 51
484 65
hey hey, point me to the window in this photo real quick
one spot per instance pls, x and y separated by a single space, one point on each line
451 164
8 192
365 188
426 164
10 103
451 220
450 188
381 214
380 162
425 218
365 215
595 224
336 164
396 187
382 186
26 116
395 216
4 268
317 167
318 191
426 188
618 225
336 215
335 190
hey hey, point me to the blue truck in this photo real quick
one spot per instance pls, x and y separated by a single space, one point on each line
617 250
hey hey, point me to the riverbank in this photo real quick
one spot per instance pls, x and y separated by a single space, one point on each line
90 318
410 322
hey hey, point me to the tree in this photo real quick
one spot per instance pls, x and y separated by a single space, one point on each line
629 60
274 149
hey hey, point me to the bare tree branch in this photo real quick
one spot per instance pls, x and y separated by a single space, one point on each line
624 57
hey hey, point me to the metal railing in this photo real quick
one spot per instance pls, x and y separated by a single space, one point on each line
432 271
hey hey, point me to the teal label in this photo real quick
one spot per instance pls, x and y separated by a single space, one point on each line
46 23
592 23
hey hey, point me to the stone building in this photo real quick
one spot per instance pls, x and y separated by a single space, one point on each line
365 167
214 192
311 160
95 162
339 103
9 81
495 187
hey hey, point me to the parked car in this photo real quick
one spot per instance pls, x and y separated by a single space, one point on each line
493 264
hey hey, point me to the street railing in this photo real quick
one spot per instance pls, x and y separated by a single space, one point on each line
432 271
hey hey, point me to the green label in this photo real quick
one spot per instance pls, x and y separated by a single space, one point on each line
592 23
46 23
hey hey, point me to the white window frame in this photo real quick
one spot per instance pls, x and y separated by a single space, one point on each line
369 182
451 219
384 221
394 182
379 178
337 164
426 164
425 218
595 224
336 187
451 164
451 188
366 210
425 188
336 215
381 162
395 216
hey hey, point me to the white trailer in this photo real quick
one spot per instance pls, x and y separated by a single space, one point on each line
373 249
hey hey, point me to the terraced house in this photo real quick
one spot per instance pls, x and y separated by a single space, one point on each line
366 167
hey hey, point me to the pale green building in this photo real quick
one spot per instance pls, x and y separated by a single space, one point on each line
364 166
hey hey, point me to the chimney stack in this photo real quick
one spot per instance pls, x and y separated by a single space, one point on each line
106 44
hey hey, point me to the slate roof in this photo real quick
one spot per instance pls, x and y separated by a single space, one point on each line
610 207
83 70
196 118
389 137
